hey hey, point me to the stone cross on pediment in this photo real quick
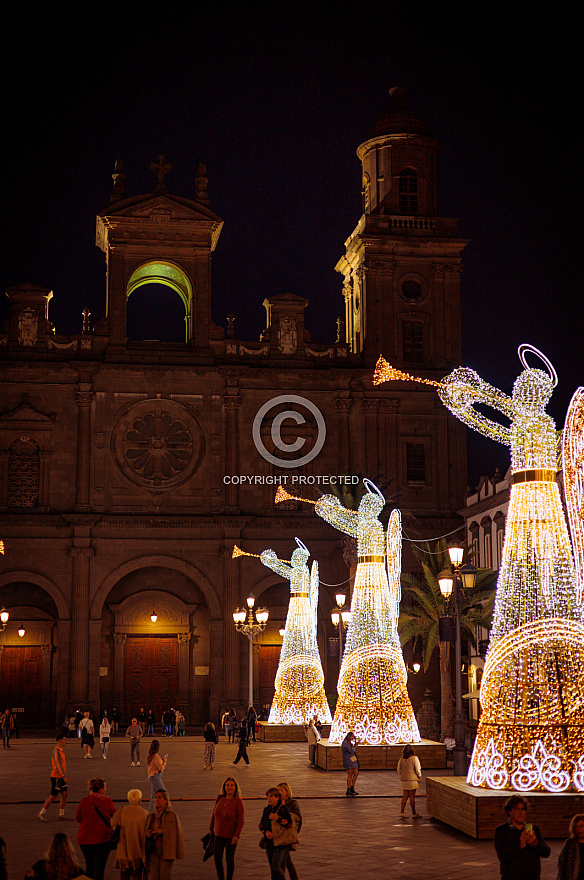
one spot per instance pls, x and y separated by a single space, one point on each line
162 167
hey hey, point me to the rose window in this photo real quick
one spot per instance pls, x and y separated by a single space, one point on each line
158 443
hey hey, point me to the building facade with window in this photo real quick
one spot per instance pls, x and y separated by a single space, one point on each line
121 460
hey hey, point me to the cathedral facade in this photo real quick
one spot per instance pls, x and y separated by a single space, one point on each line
130 468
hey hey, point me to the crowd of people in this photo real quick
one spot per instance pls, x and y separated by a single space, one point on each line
146 843
80 724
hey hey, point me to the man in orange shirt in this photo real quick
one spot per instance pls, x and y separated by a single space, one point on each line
59 780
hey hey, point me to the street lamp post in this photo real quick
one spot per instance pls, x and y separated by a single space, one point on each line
250 625
341 619
465 577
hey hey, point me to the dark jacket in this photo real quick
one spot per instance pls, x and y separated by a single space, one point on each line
517 863
276 826
569 860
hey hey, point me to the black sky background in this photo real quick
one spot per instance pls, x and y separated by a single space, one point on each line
276 103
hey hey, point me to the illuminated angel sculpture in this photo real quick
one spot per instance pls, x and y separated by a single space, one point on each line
531 731
373 698
299 680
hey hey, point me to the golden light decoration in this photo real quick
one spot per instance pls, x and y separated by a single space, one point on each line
300 694
531 731
373 699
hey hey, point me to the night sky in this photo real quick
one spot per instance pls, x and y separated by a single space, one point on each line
276 104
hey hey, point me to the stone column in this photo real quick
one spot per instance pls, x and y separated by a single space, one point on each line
216 671
46 680
80 623
183 673
232 403
119 642
84 398
371 405
343 405
231 638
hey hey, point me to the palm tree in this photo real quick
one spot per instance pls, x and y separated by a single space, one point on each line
420 621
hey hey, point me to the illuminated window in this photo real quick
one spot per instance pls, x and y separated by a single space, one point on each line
24 466
408 191
500 542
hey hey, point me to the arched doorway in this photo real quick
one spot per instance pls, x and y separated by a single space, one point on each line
28 663
159 303
156 664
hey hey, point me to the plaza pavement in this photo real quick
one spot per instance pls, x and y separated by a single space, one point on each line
348 838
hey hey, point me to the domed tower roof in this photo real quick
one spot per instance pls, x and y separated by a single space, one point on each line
398 119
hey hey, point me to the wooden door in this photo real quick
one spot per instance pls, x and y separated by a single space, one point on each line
21 682
268 659
150 675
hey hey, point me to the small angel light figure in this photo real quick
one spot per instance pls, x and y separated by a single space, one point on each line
300 692
373 698
532 690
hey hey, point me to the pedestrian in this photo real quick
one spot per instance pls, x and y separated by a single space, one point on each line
251 723
150 723
227 823
279 834
292 806
519 844
571 857
211 738
181 727
87 734
232 725
156 767
225 723
78 720
94 815
142 718
59 780
130 851
116 719
168 722
164 838
350 762
7 724
313 737
105 729
410 773
134 733
71 726
3 868
60 861
318 724
242 735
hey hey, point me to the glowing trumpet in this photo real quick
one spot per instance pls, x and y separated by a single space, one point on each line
384 372
237 551
283 495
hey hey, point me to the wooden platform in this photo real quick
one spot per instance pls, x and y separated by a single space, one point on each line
270 733
431 755
478 811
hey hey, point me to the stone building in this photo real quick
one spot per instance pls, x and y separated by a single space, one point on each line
117 502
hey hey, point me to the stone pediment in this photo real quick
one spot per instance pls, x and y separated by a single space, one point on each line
158 209
26 413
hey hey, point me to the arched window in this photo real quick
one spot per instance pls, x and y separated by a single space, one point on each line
408 191
24 469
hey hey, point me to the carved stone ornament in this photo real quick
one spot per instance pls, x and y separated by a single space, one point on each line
287 335
28 327
158 443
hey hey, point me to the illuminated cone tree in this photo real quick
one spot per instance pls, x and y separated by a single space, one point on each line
300 692
373 699
531 731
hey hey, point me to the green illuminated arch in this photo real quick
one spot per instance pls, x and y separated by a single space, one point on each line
156 272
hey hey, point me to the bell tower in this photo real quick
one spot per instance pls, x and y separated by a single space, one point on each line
159 238
402 263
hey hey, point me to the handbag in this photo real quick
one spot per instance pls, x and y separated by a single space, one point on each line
263 843
208 842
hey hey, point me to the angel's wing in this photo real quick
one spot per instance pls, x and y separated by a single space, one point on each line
314 593
573 454
394 549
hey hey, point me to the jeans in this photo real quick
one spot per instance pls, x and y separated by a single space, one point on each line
278 862
96 855
150 729
223 844
156 784
6 736
104 748
135 751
